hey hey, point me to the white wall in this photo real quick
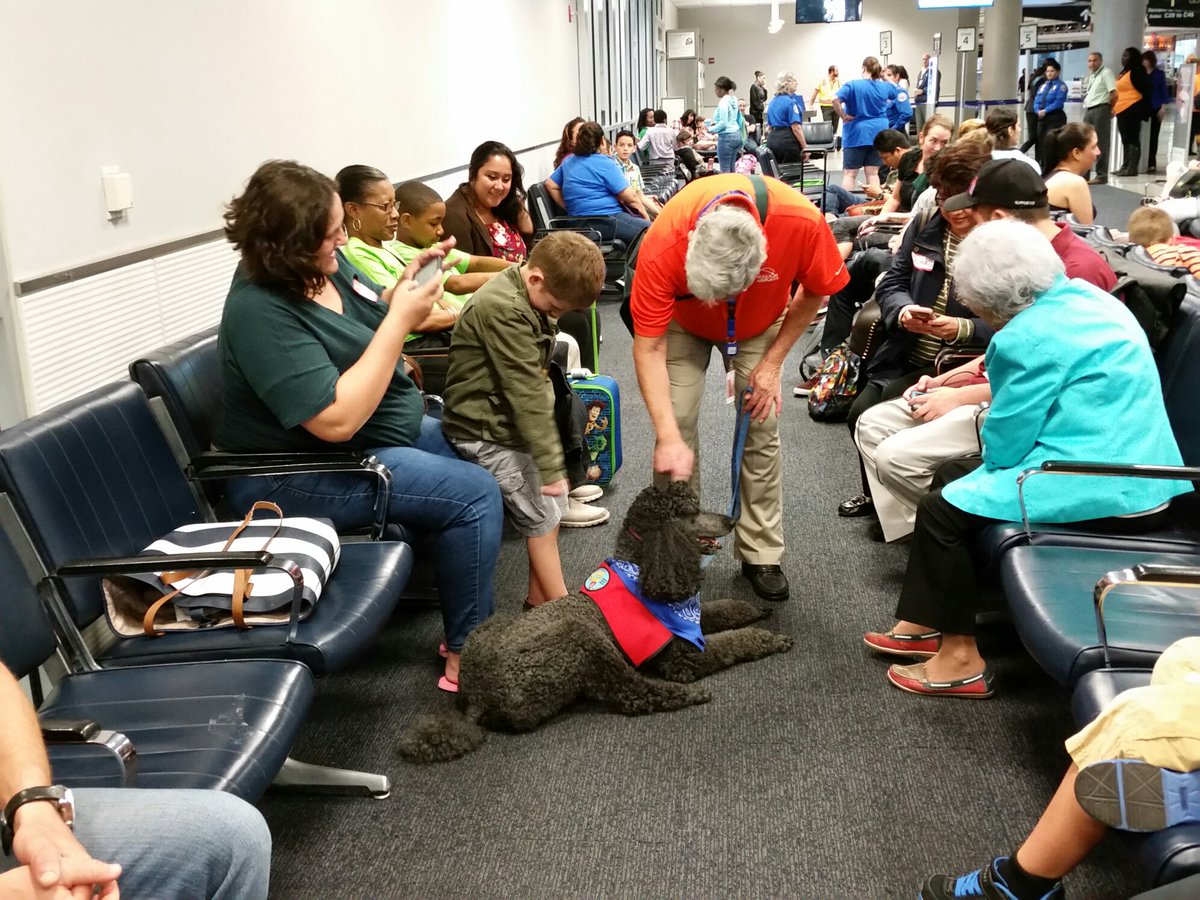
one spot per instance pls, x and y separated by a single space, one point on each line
190 96
736 38
670 15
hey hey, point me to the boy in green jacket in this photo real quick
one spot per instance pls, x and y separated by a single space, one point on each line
499 399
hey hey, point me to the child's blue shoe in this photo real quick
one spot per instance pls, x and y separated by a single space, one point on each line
1135 796
986 882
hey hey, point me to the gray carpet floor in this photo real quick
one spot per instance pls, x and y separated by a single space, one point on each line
806 776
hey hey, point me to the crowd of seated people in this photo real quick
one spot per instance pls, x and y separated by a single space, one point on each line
589 183
387 229
325 301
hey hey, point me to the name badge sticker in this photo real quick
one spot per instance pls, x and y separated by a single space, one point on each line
922 262
365 292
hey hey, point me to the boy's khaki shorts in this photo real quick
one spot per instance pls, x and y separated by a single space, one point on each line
531 512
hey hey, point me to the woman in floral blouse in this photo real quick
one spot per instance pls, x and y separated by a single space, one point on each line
487 213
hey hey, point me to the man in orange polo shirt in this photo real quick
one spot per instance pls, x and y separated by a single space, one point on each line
711 274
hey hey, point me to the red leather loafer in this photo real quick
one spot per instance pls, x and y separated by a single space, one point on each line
913 679
921 646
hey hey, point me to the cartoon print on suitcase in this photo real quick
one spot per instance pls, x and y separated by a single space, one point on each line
602 398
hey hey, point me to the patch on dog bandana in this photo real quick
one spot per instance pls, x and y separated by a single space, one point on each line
596 580
641 626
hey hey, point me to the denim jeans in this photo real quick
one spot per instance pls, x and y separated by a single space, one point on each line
175 843
838 199
728 144
626 227
433 492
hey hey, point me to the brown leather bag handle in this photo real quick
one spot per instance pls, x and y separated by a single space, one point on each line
242 586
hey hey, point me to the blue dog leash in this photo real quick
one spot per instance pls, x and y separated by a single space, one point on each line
741 430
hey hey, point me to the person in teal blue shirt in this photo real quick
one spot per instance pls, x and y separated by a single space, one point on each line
1072 378
726 123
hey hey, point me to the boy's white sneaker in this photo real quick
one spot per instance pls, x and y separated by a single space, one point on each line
587 493
581 515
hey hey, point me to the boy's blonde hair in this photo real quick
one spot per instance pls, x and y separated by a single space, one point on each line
968 126
572 267
1150 225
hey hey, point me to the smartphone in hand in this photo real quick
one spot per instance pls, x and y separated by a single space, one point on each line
429 271
921 312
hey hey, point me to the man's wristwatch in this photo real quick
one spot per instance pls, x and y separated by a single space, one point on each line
61 797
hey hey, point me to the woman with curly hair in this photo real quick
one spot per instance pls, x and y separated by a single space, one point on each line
311 361
566 144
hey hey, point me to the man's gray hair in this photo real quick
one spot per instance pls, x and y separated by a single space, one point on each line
725 252
1002 267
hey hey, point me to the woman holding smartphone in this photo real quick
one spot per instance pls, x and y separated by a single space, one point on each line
919 310
310 355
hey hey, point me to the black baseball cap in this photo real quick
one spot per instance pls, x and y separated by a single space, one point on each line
1005 184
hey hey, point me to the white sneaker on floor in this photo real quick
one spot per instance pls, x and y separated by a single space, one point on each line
581 515
587 493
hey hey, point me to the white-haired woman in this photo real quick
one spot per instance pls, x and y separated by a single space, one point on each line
786 118
716 269
1072 377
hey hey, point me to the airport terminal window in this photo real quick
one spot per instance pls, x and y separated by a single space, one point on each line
616 62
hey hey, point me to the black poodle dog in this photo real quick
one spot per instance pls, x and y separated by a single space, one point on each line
519 671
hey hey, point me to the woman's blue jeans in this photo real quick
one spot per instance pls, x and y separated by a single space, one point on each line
728 144
625 227
434 492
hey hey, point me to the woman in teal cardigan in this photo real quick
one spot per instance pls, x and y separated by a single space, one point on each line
1072 378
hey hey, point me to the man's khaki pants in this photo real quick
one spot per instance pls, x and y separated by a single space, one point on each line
758 537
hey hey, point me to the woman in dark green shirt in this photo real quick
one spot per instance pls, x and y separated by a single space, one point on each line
310 357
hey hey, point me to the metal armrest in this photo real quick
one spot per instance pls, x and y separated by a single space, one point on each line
57 732
1112 470
590 233
216 465
1124 470
252 559
210 458
1143 573
602 225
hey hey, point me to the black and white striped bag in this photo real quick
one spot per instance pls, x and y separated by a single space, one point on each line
172 600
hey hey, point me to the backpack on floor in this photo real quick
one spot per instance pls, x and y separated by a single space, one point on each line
836 386
841 373
601 398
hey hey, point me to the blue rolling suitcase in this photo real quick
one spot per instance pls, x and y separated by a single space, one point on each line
602 398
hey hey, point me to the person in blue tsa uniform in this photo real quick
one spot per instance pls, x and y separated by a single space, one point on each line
1048 105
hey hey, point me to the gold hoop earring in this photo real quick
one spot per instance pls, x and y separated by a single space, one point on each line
356 224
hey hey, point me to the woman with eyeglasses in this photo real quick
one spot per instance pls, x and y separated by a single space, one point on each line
387 229
311 361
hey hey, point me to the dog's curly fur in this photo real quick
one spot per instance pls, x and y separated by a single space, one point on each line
519 671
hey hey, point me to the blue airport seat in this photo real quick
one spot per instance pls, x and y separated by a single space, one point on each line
222 725
95 477
1050 596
